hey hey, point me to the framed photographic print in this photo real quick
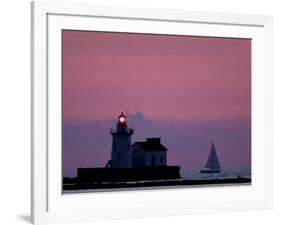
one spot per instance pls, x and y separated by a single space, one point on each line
140 109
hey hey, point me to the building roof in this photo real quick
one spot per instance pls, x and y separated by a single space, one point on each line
151 144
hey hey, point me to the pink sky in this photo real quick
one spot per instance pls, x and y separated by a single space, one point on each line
165 77
187 90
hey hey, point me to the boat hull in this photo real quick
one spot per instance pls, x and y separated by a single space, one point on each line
210 171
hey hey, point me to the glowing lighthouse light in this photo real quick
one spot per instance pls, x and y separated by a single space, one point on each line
122 119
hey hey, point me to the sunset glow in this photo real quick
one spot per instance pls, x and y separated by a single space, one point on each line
187 90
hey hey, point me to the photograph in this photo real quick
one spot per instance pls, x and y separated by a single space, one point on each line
153 111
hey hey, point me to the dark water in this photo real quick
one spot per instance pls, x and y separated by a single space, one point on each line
225 173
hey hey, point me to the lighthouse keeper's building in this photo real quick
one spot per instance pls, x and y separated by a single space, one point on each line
149 153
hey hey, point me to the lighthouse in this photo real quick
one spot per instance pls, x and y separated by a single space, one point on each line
121 144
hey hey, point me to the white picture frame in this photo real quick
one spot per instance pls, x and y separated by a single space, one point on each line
48 205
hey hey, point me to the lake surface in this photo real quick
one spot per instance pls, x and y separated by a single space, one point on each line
225 173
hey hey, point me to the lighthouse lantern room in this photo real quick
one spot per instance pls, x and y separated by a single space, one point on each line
121 144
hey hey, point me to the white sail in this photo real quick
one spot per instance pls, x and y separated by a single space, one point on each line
213 162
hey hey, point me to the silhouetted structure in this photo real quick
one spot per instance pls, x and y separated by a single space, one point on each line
94 175
141 154
146 160
121 144
149 153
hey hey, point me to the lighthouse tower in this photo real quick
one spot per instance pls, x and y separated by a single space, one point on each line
121 144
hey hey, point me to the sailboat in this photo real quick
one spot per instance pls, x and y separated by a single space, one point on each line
212 165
